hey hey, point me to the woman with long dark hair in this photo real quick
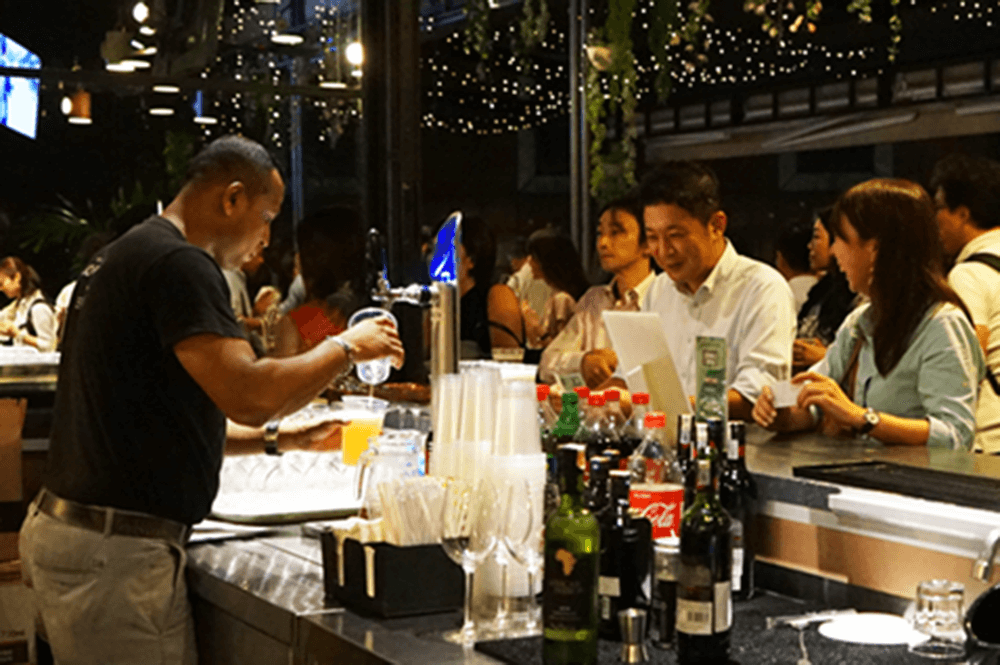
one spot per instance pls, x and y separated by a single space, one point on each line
554 258
29 320
906 367
829 301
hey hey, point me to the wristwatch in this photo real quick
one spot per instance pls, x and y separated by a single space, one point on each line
271 437
872 419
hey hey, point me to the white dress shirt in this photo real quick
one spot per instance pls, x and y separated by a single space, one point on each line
800 285
744 301
979 286
585 331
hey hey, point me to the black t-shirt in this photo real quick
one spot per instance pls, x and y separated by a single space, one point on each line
131 428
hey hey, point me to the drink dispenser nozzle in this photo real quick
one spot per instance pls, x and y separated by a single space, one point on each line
441 295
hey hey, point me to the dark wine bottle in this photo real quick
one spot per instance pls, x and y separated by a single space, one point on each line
716 445
596 495
704 592
572 547
698 451
738 495
626 559
685 439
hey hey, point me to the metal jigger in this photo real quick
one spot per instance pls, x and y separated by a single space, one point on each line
633 625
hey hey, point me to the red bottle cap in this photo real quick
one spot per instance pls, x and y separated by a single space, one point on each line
542 391
612 395
596 400
656 419
582 391
640 398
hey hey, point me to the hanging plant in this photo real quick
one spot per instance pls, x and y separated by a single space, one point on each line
534 26
477 30
664 18
611 63
895 31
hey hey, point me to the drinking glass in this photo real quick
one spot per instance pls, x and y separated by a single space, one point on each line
524 538
373 372
939 615
468 535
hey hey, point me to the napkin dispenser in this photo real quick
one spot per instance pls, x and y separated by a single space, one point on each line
388 581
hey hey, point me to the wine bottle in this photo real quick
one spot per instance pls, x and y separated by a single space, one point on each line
596 496
685 434
572 546
626 559
698 451
738 494
704 593
716 444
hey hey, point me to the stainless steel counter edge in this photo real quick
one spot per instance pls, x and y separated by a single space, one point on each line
274 584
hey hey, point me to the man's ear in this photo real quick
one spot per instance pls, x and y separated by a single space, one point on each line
963 213
233 197
717 222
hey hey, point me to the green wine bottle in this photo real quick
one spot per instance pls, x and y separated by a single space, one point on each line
572 547
704 593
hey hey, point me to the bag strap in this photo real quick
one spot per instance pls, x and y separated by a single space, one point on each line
850 374
993 261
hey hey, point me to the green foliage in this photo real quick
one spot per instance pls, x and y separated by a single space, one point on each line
663 21
477 32
534 26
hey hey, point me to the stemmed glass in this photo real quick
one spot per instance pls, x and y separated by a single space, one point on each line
469 532
525 540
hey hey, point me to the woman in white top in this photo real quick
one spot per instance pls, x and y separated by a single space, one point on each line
29 320
554 258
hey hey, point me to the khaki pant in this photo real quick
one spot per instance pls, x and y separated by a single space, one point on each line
107 599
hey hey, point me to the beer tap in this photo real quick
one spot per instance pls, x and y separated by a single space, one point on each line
441 295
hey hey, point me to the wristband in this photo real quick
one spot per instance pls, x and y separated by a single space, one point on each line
271 437
346 346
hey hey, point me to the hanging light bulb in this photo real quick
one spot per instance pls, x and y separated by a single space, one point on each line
140 12
355 54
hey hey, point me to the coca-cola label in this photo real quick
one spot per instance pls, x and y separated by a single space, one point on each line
660 503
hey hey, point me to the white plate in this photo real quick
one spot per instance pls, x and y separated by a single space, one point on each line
871 628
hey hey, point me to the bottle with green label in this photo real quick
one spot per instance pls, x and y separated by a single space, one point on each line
572 548
704 591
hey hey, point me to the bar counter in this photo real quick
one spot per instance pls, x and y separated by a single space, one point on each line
261 599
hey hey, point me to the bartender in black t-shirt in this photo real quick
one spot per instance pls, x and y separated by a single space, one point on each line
153 363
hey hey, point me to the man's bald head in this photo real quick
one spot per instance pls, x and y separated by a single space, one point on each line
229 159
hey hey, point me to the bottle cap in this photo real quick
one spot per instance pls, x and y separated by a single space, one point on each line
542 391
583 392
612 395
596 400
640 398
656 419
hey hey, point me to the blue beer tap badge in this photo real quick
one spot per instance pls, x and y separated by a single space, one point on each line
444 263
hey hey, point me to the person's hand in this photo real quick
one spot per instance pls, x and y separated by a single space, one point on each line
375 338
827 394
597 366
312 436
764 412
807 351
7 328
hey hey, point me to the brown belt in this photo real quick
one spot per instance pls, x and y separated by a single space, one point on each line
122 522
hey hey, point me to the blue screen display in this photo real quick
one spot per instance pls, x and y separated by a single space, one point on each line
18 96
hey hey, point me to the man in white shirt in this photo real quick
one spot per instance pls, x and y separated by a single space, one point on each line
708 290
583 346
967 196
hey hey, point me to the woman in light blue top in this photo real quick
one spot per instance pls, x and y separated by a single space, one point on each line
906 367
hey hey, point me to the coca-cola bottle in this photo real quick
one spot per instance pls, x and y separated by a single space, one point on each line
657 491
596 432
634 430
582 395
613 409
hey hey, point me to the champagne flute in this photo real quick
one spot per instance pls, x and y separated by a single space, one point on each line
468 535
525 540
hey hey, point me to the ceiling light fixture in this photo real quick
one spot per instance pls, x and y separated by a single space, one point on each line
119 67
77 107
136 64
287 39
166 89
332 85
355 54
160 110
147 30
206 120
140 12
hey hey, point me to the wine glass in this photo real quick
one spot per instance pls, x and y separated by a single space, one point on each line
468 535
525 540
